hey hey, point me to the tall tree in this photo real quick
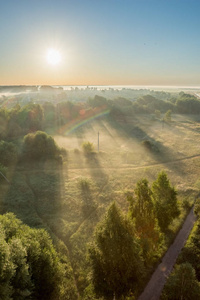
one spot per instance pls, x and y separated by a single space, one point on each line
141 209
115 256
165 201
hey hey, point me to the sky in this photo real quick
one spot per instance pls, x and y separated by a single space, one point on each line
101 42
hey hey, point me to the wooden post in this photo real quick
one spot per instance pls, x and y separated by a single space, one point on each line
98 141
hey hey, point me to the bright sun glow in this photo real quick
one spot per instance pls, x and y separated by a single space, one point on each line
53 56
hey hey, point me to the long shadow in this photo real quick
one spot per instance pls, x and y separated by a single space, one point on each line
95 168
88 204
184 125
158 151
34 191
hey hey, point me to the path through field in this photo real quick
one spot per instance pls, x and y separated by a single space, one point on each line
154 287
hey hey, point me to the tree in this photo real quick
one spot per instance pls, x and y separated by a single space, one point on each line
40 145
191 252
143 203
115 256
31 117
165 201
141 209
97 101
168 116
182 284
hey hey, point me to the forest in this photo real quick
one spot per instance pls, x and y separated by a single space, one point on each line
94 191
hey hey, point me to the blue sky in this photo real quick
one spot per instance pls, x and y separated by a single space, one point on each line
105 42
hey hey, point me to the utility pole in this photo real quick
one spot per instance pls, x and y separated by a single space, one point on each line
98 141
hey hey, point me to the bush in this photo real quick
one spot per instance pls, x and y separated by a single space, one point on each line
87 147
84 184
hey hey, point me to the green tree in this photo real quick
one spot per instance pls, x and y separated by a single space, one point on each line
143 205
22 286
165 201
40 145
141 209
168 116
191 252
87 148
182 284
97 101
30 117
115 257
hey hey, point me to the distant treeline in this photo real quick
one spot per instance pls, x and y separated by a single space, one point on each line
20 120
148 104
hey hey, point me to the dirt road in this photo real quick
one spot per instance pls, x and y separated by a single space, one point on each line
155 285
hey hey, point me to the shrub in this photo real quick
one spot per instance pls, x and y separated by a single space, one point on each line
87 147
84 184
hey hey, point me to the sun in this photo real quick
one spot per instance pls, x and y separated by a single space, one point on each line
53 56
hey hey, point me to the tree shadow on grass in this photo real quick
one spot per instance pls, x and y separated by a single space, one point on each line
95 168
157 150
88 204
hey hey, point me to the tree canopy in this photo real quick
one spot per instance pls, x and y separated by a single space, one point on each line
165 201
182 284
30 267
115 256
40 145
